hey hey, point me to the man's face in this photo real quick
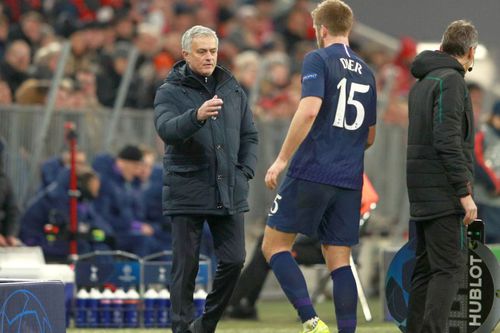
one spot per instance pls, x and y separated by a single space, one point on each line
203 55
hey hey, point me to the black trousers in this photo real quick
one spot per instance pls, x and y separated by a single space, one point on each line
441 262
229 243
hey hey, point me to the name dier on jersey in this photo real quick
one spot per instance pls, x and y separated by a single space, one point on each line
351 65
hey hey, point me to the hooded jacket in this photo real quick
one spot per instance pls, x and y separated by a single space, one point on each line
440 137
206 165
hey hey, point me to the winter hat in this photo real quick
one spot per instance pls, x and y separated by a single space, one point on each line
130 153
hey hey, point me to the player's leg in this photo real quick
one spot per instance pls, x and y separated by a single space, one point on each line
345 294
298 208
277 247
338 232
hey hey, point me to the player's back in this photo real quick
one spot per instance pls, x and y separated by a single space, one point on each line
333 152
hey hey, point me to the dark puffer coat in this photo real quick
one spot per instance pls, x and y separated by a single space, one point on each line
206 165
440 137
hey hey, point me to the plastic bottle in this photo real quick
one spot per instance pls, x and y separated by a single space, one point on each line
93 307
81 308
117 306
199 299
105 308
163 308
131 308
150 300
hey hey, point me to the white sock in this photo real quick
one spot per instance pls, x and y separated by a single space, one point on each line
311 323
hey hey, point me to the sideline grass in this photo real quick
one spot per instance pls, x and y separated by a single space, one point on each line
279 317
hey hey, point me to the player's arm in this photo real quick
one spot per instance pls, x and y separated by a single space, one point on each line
299 128
371 136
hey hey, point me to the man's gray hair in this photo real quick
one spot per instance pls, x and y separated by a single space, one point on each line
459 37
195 31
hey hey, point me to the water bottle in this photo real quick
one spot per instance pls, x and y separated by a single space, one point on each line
105 310
163 308
199 299
150 300
131 308
93 307
117 306
81 308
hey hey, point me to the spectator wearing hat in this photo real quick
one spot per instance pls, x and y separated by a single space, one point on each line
8 207
487 174
118 201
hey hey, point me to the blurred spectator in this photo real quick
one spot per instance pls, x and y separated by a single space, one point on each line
245 69
16 8
4 34
45 222
151 178
35 92
28 29
51 168
296 25
398 78
124 27
117 200
80 56
14 67
5 94
274 100
248 33
476 93
45 61
32 92
87 88
110 76
8 207
487 175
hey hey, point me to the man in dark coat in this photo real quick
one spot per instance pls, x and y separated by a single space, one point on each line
439 175
119 201
202 115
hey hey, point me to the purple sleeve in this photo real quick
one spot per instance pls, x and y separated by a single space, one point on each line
313 76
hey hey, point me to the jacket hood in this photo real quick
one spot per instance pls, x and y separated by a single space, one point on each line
427 61
181 76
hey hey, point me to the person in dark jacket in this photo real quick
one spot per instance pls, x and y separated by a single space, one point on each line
45 222
202 115
8 208
439 174
119 199
14 67
50 168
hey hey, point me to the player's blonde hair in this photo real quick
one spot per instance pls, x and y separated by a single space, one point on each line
335 15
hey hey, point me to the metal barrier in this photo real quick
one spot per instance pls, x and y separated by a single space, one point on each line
20 126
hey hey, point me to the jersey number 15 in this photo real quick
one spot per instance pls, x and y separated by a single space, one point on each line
340 120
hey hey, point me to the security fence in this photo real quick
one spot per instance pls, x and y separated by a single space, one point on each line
20 127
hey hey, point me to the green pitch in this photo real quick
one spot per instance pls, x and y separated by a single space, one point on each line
279 317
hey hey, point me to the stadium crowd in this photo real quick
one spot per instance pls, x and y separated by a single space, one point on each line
262 41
